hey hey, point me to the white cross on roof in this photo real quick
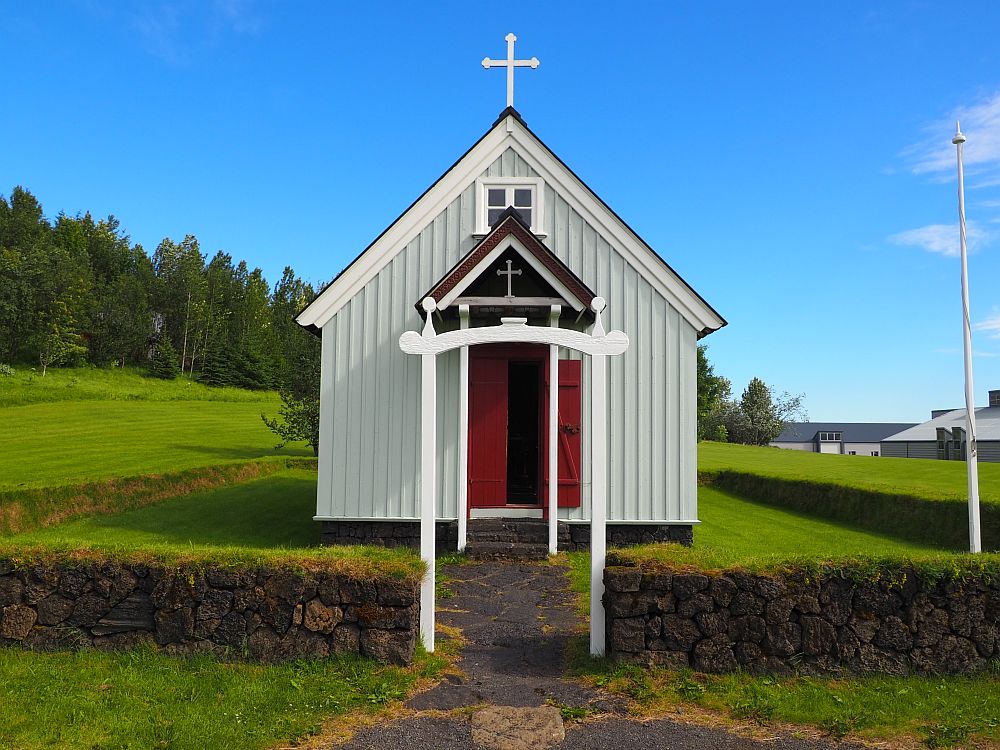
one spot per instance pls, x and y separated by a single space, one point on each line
510 63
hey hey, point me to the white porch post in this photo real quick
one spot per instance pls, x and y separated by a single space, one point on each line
428 479
554 435
599 345
598 487
463 432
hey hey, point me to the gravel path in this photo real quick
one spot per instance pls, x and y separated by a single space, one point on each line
518 619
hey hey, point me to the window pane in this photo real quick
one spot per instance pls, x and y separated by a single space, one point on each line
522 197
525 213
492 215
496 197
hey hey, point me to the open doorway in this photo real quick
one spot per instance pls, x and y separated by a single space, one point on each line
523 432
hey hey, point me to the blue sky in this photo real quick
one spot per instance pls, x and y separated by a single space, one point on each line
792 161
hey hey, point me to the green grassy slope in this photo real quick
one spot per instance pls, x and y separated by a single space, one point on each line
77 441
27 386
275 511
933 480
735 531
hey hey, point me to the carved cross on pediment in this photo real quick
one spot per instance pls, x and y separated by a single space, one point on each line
510 273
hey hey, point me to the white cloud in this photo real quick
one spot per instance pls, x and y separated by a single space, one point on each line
935 154
990 326
938 238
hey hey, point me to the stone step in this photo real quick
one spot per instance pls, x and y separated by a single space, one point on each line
506 551
536 536
505 524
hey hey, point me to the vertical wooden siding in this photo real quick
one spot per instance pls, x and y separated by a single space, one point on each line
371 407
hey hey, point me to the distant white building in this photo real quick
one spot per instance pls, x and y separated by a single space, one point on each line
846 438
944 436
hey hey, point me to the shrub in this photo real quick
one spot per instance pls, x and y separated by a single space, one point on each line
164 364
6 371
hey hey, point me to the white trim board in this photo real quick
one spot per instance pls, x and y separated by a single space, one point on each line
446 519
510 133
505 513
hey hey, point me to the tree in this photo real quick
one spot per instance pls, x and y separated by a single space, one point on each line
58 342
218 367
164 363
298 416
714 392
762 415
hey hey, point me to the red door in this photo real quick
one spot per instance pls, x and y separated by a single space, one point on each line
488 422
568 470
487 432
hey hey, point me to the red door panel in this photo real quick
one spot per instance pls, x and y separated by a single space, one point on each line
568 469
487 432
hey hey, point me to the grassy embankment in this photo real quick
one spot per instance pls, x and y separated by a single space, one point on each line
934 711
86 441
141 698
920 500
89 444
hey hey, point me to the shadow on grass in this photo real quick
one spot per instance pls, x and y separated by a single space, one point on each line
235 453
275 511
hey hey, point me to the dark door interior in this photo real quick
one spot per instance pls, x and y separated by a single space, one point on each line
523 431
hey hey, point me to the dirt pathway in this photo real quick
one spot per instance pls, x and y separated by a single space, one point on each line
517 620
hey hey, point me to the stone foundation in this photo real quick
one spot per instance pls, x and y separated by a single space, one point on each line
827 622
386 533
261 614
573 537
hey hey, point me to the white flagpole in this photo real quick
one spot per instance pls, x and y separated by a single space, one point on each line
975 540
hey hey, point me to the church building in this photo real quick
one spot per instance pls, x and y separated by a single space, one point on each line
520 410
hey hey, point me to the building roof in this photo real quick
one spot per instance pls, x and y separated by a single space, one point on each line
987 426
851 432
510 131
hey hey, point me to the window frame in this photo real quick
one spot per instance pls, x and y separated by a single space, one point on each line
509 184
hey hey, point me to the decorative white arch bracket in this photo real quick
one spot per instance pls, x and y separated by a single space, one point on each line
598 345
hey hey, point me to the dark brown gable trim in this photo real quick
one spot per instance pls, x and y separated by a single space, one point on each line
511 224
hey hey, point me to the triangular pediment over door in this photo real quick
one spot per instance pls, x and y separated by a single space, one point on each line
510 267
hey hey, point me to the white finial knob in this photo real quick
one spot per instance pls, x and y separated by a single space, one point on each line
430 305
597 305
510 37
486 62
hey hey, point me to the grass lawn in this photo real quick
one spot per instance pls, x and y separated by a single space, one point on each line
938 711
933 711
27 386
933 480
64 443
140 699
272 512
143 699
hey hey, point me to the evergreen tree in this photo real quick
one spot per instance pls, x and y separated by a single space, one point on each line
218 367
164 362
298 416
760 415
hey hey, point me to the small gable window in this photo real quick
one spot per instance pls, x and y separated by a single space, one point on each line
496 195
